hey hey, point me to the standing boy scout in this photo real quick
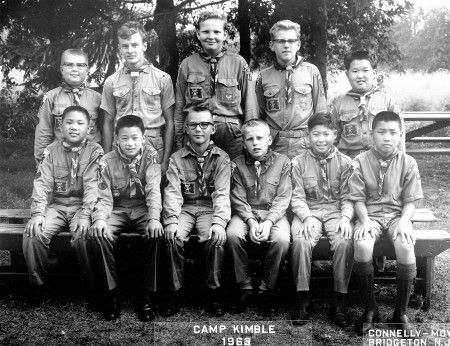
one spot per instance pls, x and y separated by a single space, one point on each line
68 170
216 79
319 203
385 185
129 200
197 194
289 91
140 89
72 92
260 195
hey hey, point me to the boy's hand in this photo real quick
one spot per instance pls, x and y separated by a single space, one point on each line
34 226
253 226
220 236
405 230
81 228
99 231
310 226
263 232
345 227
154 229
170 232
366 227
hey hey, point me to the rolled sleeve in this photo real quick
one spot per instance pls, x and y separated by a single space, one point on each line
167 95
347 207
318 93
412 189
104 206
90 194
108 103
239 197
284 194
42 187
152 186
357 186
173 198
221 195
298 201
44 129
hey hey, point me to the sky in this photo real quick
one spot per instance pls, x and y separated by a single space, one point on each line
431 3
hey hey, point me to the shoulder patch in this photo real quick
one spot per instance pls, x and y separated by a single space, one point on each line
101 183
43 100
233 167
258 79
45 154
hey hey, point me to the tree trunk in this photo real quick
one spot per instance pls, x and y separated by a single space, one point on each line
244 30
319 37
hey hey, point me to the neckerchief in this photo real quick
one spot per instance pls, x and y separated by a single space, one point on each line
75 91
213 62
132 164
362 101
323 160
259 165
288 78
200 164
75 156
135 74
384 165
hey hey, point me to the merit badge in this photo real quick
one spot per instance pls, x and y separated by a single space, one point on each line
312 194
116 193
195 93
58 123
60 186
229 97
188 188
350 130
273 104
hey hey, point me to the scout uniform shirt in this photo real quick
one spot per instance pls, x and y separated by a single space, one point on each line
385 185
287 106
320 183
227 93
198 180
70 176
124 184
50 115
354 114
145 93
261 185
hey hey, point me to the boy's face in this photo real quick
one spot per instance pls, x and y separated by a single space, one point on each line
256 141
321 139
386 137
198 135
361 75
130 140
211 34
285 51
132 50
74 127
76 72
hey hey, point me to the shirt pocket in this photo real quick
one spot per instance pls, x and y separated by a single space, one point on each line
61 179
227 92
188 183
152 98
272 97
350 124
272 187
312 191
335 186
57 112
195 91
122 95
119 187
303 96
373 194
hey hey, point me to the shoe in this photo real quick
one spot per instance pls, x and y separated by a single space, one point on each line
266 302
242 300
365 323
215 305
407 327
170 306
111 306
339 316
300 315
147 309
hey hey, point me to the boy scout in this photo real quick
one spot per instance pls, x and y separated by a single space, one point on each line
260 195
68 170
197 194
289 91
140 89
319 177
216 79
384 185
129 200
72 92
354 111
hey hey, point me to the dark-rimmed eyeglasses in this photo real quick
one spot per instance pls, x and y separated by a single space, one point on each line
283 42
203 125
77 65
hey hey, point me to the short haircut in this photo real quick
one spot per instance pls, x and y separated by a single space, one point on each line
324 119
359 55
74 51
199 109
386 116
284 25
255 123
130 121
213 14
76 109
130 28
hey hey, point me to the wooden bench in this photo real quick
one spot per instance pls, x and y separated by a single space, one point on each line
429 244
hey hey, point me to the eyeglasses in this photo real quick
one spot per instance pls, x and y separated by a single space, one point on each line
77 65
203 125
283 42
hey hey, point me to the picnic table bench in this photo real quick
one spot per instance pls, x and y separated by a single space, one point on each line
429 244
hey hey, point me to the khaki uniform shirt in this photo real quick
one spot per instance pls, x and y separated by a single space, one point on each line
54 177
275 192
50 117
183 185
114 185
401 183
309 194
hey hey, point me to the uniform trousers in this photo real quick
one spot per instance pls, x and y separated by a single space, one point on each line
228 137
290 146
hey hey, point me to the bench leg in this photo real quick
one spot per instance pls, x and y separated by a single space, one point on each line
425 270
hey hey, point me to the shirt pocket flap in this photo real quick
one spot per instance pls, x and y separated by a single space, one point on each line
189 176
310 183
151 91
273 180
119 183
60 172
303 89
121 92
271 92
348 115
248 181
229 82
195 78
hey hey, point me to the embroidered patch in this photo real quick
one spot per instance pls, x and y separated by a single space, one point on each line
188 188
91 128
350 130
45 154
229 97
233 167
195 93
311 194
58 123
60 186
258 79
273 104
116 193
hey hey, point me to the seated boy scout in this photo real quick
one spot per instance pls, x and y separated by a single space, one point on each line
319 178
261 191
197 195
72 92
289 91
68 172
129 200
384 185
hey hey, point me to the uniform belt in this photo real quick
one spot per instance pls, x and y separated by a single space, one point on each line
260 207
293 134
153 132
225 119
